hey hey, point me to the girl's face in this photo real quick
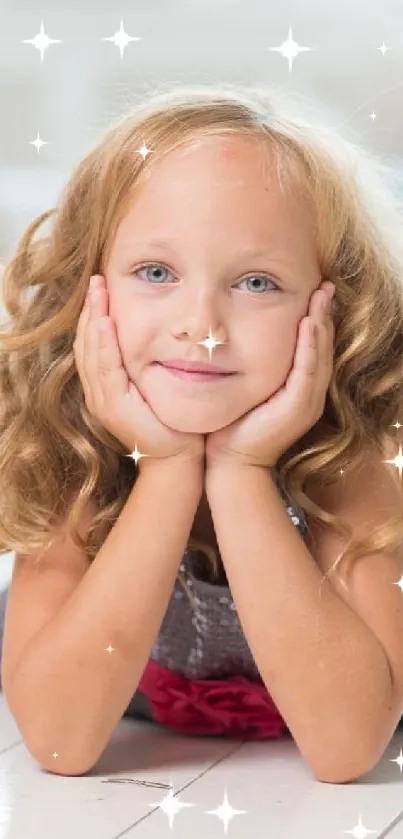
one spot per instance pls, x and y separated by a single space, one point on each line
238 258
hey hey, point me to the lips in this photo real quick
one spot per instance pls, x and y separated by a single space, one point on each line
191 375
196 369
194 372
197 372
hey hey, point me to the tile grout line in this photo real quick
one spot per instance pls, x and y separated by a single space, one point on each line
185 786
386 830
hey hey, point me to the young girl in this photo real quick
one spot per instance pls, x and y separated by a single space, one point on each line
120 601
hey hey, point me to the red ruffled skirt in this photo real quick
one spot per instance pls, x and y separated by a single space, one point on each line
233 706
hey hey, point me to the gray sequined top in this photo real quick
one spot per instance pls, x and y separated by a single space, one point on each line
206 641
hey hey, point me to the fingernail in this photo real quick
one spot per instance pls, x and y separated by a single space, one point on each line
95 282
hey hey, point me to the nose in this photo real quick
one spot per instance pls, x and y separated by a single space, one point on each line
201 311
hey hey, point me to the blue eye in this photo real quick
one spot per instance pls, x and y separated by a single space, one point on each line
159 267
259 277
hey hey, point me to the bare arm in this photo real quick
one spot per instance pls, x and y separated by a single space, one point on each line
325 669
69 693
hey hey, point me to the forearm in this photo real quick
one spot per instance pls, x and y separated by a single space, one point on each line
71 691
323 667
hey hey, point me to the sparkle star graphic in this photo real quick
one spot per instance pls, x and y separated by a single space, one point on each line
136 455
121 39
290 49
398 760
41 42
170 805
397 461
144 151
225 812
400 584
38 143
359 831
210 343
383 48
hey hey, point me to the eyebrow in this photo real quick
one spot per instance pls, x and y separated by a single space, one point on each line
161 243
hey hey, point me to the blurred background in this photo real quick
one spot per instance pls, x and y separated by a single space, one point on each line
58 98
353 72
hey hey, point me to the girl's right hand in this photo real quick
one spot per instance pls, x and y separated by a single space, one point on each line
114 399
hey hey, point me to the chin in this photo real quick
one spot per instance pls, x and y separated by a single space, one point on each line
192 420
189 425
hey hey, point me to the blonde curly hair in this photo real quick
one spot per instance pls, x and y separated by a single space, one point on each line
51 447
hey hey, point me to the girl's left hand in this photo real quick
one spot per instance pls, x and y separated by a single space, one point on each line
261 436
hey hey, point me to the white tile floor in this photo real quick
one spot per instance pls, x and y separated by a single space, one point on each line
268 781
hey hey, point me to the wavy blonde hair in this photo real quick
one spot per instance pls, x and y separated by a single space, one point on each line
52 450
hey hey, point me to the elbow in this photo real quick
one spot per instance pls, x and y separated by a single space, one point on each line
77 762
344 773
67 768
353 767
330 763
60 764
336 777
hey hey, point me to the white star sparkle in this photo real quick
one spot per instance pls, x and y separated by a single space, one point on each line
210 343
170 805
38 143
398 760
383 48
397 461
225 812
136 455
359 831
290 49
144 151
41 41
121 39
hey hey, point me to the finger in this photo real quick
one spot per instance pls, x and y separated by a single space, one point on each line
82 323
98 309
324 364
326 333
78 346
113 377
306 357
305 385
